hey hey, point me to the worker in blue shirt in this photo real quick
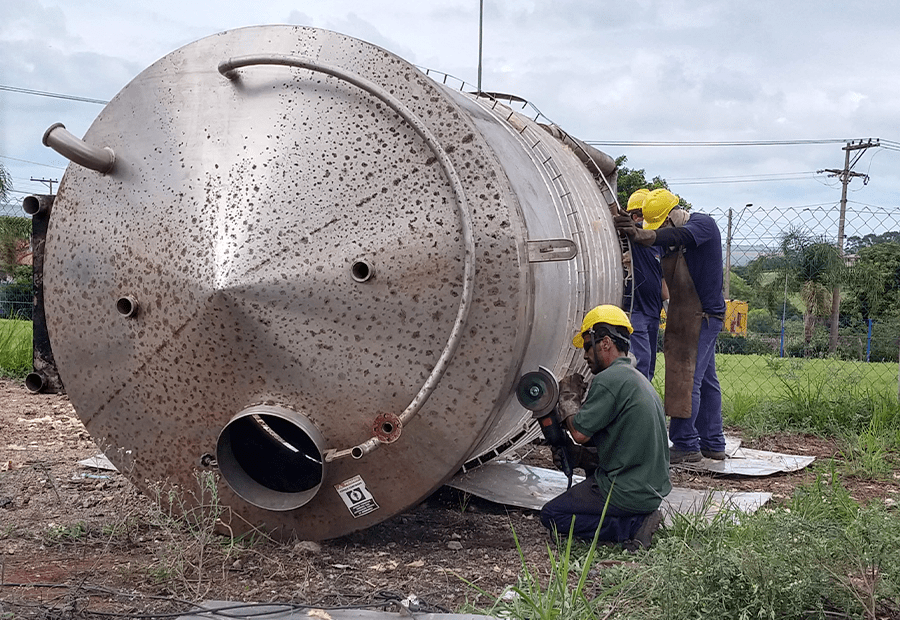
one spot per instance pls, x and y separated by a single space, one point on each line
649 293
697 238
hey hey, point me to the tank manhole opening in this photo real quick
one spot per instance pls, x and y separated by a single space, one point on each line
361 271
127 306
271 457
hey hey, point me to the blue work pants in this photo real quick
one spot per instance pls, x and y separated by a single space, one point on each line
643 342
704 428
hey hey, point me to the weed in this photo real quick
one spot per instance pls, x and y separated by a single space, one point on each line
63 534
189 522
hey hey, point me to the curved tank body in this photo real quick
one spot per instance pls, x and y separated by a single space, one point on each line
306 265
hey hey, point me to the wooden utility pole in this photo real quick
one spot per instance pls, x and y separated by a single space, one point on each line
845 175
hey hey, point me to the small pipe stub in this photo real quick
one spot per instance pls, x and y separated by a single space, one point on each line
127 306
58 138
40 203
35 382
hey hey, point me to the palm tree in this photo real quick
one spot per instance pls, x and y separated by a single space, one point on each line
813 266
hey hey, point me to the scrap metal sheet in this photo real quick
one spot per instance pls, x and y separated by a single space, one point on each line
525 486
228 610
748 462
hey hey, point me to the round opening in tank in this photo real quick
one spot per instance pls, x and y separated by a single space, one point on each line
361 271
271 457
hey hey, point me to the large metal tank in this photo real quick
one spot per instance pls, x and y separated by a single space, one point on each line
291 256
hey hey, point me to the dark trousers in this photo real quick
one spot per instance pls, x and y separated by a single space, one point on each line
585 502
643 342
703 431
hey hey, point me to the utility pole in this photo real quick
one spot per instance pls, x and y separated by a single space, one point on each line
49 182
845 175
728 259
728 251
480 39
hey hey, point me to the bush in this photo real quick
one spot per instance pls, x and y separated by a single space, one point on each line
746 345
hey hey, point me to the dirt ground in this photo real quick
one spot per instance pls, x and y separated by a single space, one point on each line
75 540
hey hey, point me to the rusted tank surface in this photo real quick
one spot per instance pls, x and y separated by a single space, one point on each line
291 257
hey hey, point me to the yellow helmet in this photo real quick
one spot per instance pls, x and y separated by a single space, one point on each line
657 206
636 200
612 315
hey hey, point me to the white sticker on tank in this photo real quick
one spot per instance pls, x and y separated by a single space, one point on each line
357 497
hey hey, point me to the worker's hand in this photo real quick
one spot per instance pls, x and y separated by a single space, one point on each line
572 387
557 452
625 225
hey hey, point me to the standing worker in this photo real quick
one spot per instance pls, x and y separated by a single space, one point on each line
696 237
623 418
648 293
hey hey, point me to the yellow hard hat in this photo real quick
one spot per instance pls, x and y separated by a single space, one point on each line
611 315
636 200
657 206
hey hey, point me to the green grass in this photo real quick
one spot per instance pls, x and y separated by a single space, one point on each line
820 556
15 348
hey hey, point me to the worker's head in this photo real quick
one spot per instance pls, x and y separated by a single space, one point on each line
636 204
657 206
605 334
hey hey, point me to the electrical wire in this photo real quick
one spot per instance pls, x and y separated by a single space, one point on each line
723 143
42 93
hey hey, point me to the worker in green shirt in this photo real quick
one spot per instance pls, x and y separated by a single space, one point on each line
622 417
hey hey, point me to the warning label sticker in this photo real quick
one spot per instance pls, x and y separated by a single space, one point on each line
357 497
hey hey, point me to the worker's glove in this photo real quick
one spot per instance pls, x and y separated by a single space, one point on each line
583 457
571 393
625 225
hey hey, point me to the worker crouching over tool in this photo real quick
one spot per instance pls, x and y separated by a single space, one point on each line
622 417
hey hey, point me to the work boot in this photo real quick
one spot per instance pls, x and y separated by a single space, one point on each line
683 456
716 455
644 536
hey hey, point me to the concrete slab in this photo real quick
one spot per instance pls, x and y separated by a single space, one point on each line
228 610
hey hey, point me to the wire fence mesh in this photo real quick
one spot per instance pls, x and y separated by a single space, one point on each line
781 295
784 268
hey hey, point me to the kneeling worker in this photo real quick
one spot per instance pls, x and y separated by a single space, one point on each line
623 418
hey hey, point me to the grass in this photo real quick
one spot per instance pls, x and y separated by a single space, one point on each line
15 348
820 556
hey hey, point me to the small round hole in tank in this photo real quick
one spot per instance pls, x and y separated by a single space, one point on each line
361 271
387 428
127 306
271 457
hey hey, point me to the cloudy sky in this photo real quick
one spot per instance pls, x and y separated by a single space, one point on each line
801 77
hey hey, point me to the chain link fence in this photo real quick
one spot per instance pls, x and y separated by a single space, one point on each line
784 269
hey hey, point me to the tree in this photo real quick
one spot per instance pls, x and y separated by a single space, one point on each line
15 233
855 244
629 181
814 267
874 285
5 183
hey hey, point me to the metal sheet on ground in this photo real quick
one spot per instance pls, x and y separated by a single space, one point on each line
515 484
240 611
748 462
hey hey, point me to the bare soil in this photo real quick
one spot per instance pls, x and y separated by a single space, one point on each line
75 542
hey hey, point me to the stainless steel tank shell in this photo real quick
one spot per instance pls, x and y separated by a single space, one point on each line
316 271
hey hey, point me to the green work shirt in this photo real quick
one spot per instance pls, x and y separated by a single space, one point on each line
624 418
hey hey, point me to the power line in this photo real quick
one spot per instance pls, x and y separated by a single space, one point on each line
25 161
724 143
42 93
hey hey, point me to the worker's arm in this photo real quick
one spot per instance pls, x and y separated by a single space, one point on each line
665 289
578 436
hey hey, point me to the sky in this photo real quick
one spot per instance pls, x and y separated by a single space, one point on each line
659 81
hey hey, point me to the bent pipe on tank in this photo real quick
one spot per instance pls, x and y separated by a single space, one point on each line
58 138
228 68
